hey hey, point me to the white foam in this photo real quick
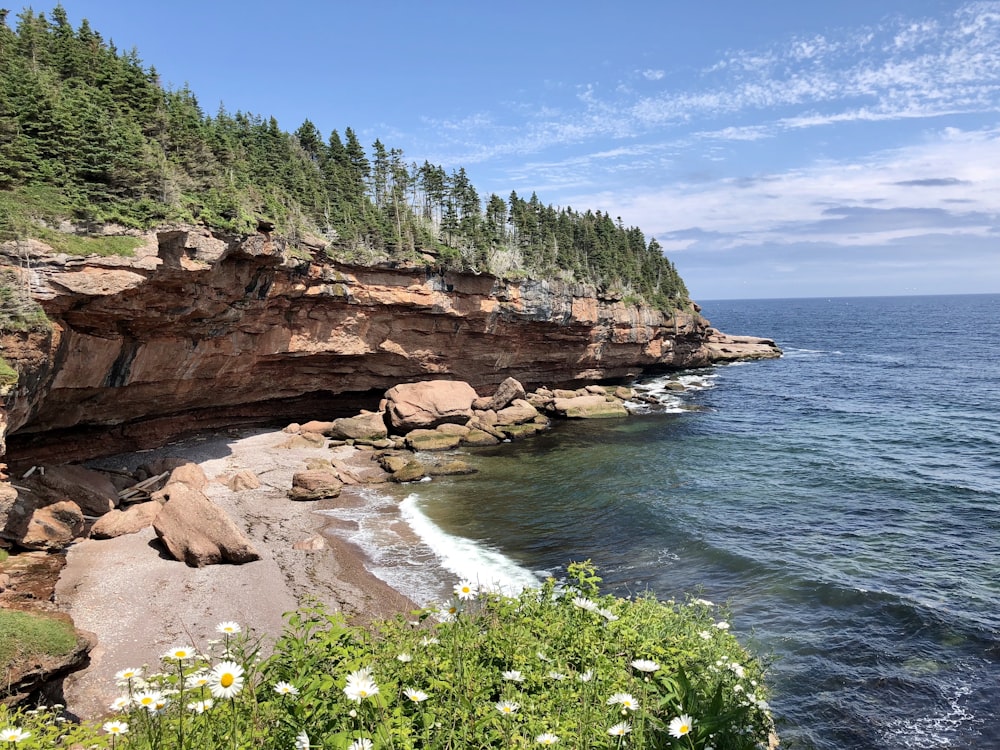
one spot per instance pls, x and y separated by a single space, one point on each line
464 558
937 730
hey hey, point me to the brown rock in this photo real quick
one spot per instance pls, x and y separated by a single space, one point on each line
305 440
452 429
393 462
314 543
160 465
479 437
370 426
54 526
92 491
315 485
198 532
243 480
563 393
411 472
431 440
315 425
509 390
190 474
428 403
521 431
518 412
451 468
589 407
120 522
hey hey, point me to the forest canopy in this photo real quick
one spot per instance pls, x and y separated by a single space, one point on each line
88 133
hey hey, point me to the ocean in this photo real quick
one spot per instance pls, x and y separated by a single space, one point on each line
844 500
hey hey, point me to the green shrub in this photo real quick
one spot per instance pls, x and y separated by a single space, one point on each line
559 664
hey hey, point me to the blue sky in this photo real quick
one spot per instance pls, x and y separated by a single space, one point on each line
776 149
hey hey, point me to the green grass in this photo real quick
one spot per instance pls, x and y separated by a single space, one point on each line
8 379
77 244
24 635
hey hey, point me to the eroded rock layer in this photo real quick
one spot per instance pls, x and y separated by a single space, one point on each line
201 331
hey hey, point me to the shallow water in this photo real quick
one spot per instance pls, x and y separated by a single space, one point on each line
845 501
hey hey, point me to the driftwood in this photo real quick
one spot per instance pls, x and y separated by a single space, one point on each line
141 490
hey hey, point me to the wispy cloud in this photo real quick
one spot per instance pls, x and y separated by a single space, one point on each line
900 70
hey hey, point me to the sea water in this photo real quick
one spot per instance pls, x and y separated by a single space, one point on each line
844 500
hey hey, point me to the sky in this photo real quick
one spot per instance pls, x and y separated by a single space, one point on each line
775 149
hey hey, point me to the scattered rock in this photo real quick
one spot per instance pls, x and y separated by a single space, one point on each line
53 527
92 491
431 440
452 468
589 407
315 484
314 543
478 437
190 474
521 431
413 471
305 440
198 532
315 425
366 426
243 480
129 521
508 391
518 412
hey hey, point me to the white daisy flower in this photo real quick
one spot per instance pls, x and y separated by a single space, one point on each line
680 726
547 738
620 729
625 700
285 688
645 665
115 727
360 685
229 628
226 679
417 696
507 708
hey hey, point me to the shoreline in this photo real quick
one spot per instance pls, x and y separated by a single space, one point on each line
139 602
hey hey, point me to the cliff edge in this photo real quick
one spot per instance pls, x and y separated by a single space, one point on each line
198 331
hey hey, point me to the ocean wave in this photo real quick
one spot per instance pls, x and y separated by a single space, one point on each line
464 558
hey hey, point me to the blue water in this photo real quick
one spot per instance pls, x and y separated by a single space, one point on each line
844 500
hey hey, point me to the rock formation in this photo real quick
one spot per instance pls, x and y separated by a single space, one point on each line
200 331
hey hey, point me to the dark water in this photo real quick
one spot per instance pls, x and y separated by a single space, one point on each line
845 501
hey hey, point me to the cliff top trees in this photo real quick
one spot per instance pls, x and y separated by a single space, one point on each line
86 132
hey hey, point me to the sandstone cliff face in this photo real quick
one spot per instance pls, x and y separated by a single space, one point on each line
200 331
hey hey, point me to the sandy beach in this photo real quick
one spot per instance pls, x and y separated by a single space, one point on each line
139 602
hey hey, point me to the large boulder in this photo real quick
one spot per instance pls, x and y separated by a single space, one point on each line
315 484
509 390
92 491
190 474
198 532
368 426
429 403
116 523
589 407
53 527
519 412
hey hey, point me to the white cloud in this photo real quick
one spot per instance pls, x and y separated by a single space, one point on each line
653 75
881 199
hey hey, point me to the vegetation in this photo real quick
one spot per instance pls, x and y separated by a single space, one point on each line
87 132
554 665
23 635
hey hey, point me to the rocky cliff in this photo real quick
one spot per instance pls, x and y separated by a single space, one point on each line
199 331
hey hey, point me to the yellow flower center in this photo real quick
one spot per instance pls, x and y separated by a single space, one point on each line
227 680
684 729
